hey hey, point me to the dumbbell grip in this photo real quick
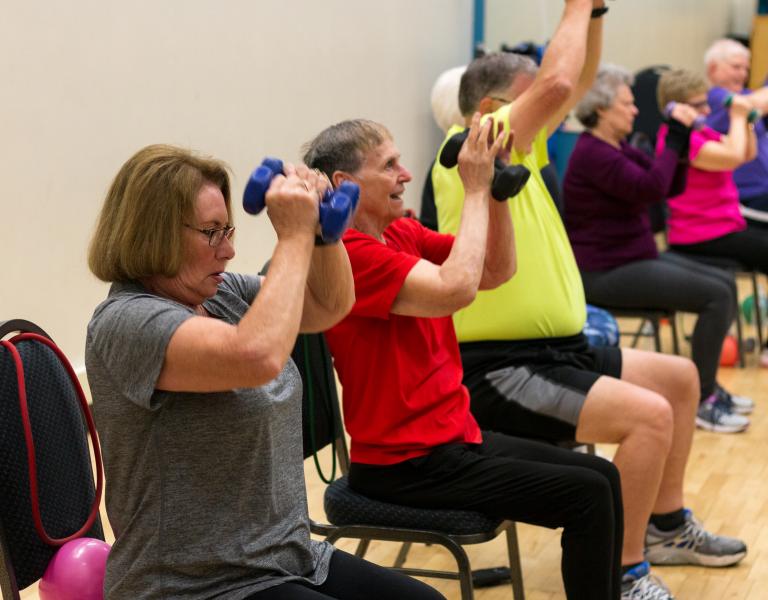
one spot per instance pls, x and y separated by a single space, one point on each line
698 122
754 114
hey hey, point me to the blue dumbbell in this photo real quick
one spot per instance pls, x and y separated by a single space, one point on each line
336 206
698 122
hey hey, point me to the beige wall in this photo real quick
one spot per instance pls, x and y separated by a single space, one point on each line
85 83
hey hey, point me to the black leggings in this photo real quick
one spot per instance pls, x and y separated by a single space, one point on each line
525 481
352 578
674 282
749 247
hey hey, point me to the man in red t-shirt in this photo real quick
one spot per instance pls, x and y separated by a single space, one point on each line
414 441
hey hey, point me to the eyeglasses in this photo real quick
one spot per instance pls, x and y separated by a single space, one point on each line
215 235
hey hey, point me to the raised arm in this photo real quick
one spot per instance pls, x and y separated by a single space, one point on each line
733 149
330 290
759 99
559 76
500 258
206 354
588 72
432 290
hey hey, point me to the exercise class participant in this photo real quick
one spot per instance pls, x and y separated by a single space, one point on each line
196 399
414 441
529 368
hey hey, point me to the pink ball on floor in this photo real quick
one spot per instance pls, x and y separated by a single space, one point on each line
76 571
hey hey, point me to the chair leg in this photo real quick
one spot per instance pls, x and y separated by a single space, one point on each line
638 333
362 548
402 555
515 568
656 335
740 336
758 314
675 338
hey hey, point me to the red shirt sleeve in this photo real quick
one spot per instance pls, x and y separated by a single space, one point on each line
380 269
379 273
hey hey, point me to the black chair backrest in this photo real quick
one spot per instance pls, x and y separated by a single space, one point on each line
321 418
428 212
320 404
64 474
552 181
649 116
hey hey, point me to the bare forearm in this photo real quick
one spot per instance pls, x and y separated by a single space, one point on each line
500 258
330 291
738 136
463 268
760 99
274 317
593 53
566 52
572 59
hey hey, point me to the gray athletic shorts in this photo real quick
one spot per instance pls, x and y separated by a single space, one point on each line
534 388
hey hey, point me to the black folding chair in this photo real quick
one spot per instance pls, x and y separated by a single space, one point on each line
64 477
355 516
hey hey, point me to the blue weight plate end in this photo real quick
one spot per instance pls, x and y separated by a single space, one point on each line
334 217
256 189
273 164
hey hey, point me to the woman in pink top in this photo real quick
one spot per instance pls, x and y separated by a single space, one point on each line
705 219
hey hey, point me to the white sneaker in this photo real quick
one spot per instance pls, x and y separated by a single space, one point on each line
639 584
716 414
739 404
691 544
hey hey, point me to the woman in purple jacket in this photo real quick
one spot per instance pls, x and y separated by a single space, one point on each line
608 189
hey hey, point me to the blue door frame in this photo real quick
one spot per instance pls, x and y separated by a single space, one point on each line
478 25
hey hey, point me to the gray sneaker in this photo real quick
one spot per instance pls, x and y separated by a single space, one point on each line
691 544
741 405
639 584
715 414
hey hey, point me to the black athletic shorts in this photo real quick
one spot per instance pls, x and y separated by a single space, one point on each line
534 388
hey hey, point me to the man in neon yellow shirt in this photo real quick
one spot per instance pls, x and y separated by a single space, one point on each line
529 369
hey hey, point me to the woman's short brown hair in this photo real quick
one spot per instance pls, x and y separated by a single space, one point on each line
678 85
139 230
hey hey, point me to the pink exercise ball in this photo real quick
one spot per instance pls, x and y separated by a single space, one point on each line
76 571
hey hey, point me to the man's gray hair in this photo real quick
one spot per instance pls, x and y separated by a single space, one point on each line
723 49
491 74
602 93
343 146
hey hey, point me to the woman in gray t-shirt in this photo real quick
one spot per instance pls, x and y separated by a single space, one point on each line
197 402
